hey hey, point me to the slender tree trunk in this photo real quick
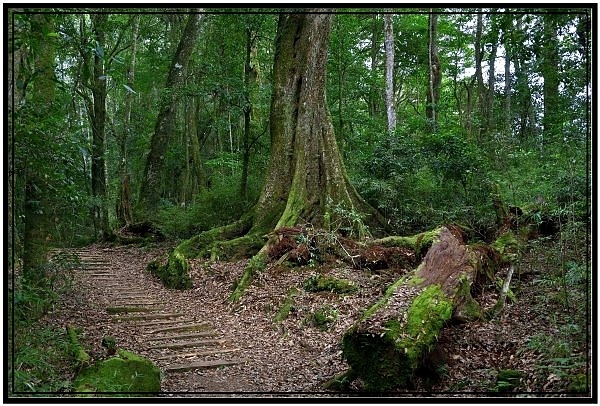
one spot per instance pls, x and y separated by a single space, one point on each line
124 205
150 188
37 218
507 77
374 95
435 73
98 128
389 72
550 72
479 75
490 93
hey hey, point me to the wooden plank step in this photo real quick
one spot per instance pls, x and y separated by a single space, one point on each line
126 303
190 327
202 365
196 354
153 324
192 335
129 309
186 344
153 316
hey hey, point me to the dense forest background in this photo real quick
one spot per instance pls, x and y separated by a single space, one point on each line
510 106
125 121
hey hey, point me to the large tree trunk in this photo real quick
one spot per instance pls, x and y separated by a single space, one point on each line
306 181
37 217
150 187
306 175
550 72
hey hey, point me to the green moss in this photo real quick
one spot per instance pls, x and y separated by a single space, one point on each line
256 264
388 360
426 316
508 246
82 358
465 307
174 275
238 248
419 243
287 306
321 283
126 372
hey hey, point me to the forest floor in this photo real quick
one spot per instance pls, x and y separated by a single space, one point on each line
542 334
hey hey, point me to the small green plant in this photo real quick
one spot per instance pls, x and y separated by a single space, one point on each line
345 220
324 317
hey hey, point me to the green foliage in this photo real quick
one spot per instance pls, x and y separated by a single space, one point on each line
42 358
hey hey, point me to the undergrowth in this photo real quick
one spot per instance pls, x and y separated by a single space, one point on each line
40 356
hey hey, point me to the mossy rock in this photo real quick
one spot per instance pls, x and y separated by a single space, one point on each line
324 317
124 373
323 283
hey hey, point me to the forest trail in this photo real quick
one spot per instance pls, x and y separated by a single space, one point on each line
143 316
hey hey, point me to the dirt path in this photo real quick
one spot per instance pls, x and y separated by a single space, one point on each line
201 343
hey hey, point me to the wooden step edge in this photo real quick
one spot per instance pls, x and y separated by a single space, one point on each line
180 336
190 327
186 344
155 316
196 354
202 365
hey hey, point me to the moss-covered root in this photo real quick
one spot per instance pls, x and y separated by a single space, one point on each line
82 358
125 373
419 243
174 275
256 264
202 245
387 359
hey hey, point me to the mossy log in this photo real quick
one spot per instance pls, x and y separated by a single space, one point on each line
389 343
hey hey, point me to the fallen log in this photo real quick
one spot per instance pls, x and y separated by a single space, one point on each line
388 344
